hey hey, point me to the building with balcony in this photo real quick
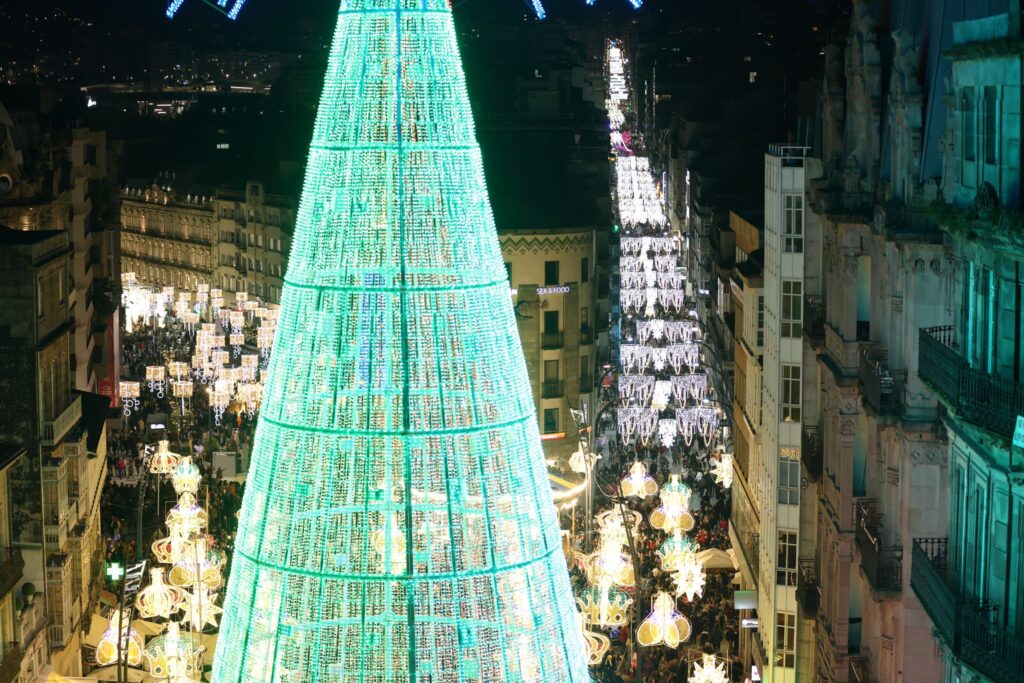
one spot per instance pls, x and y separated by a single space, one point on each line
562 326
234 240
52 519
59 178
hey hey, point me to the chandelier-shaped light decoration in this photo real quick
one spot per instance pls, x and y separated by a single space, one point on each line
675 507
186 477
638 483
163 461
397 359
131 643
156 376
677 550
709 670
664 625
159 599
690 579
722 469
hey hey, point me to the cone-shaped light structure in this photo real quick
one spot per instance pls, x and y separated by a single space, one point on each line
397 415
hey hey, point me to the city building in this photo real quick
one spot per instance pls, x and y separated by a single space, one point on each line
59 178
554 291
234 240
55 487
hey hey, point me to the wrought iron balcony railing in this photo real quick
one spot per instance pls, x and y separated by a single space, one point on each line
984 398
808 592
814 318
553 389
860 667
971 628
552 340
812 451
883 388
883 566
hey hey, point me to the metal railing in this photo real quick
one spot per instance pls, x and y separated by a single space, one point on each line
883 566
860 667
552 340
984 398
883 388
814 318
552 389
970 627
808 593
812 450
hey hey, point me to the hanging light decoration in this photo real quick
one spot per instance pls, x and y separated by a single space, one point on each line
220 397
689 580
186 477
131 643
664 625
168 550
163 461
200 609
604 607
129 393
709 670
677 551
159 599
722 469
156 376
198 562
639 483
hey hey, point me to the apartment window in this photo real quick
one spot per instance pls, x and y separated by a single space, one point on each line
792 304
551 273
789 481
791 393
785 640
551 322
785 568
760 320
793 227
970 134
584 269
991 104
550 420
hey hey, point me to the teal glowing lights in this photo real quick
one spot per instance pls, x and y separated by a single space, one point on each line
397 524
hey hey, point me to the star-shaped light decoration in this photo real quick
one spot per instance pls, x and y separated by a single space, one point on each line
722 469
709 670
200 609
638 483
664 624
689 580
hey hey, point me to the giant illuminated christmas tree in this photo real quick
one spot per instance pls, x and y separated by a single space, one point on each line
397 523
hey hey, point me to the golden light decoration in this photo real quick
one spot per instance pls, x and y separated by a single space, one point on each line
177 369
722 469
674 508
639 483
200 609
609 565
709 670
159 599
604 607
163 461
186 477
168 550
131 643
198 562
664 625
187 519
182 388
595 644
677 551
690 579
174 654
